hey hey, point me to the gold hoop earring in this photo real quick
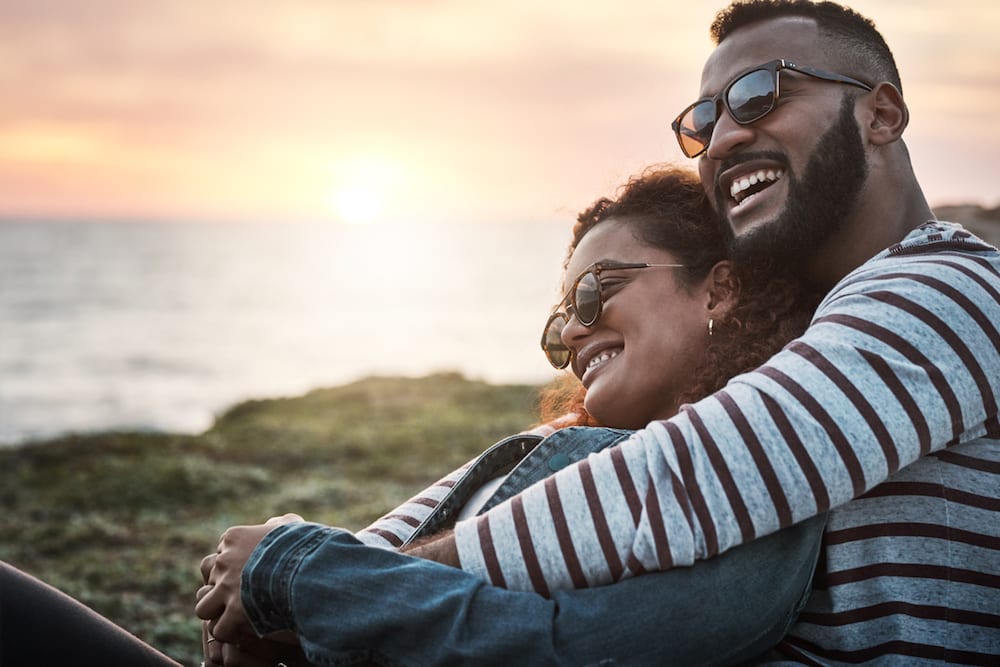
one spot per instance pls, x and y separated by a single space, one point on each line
711 327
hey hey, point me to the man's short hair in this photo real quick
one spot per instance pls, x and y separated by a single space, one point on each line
852 38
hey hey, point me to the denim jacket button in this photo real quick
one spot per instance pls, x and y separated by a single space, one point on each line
558 462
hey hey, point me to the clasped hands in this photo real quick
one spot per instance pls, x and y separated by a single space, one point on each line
227 637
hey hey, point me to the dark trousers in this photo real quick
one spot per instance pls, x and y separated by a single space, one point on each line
39 625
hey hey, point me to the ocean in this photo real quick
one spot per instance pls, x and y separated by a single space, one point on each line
161 326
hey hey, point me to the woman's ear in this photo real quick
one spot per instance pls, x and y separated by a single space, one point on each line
723 289
888 114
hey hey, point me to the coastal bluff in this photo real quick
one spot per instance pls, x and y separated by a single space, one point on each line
121 520
983 222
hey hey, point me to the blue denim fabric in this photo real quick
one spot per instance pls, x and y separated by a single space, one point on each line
350 603
525 459
498 460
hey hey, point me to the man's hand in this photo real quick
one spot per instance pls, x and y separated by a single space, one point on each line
439 548
219 601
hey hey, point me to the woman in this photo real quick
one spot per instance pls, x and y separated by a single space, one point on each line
653 316
715 323
699 324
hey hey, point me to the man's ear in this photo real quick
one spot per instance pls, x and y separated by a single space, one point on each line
723 289
888 114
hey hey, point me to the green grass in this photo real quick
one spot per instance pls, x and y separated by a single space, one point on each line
120 521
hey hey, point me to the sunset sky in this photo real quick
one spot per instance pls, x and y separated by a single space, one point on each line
372 110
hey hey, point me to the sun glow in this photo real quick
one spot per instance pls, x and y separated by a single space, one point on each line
363 188
357 204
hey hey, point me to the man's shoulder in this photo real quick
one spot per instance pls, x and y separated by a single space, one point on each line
936 236
935 253
931 243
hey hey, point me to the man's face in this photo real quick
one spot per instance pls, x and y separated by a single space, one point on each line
806 155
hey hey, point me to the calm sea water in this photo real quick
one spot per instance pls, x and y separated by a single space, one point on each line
162 326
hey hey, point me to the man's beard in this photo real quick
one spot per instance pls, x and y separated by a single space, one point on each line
818 205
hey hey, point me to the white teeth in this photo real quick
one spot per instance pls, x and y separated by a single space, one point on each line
761 176
601 358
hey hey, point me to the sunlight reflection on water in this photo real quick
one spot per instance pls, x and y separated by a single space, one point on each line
161 326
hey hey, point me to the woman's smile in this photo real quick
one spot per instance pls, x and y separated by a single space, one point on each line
598 358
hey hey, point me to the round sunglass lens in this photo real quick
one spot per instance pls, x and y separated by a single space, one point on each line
587 299
751 96
552 342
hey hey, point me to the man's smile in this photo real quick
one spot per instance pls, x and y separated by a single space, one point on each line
740 187
749 185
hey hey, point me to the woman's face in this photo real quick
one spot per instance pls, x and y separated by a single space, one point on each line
640 355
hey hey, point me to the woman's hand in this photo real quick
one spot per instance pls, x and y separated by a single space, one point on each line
253 652
219 601
211 647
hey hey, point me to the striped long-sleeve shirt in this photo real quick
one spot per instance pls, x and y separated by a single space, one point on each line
910 572
903 358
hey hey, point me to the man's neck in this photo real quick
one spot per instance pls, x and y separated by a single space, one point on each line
879 222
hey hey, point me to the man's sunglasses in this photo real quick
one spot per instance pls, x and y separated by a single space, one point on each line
586 301
748 98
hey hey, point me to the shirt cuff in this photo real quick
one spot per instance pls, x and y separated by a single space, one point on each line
266 583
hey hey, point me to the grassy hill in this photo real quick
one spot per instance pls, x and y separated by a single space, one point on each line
121 520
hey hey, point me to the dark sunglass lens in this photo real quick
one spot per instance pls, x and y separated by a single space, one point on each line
552 342
752 96
695 127
587 299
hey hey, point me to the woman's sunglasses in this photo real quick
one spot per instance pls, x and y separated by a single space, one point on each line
586 301
748 98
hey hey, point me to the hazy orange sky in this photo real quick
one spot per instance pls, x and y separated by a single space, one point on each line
410 109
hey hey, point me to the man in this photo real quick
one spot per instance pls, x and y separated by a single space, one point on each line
799 138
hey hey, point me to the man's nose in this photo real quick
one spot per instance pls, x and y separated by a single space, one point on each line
728 136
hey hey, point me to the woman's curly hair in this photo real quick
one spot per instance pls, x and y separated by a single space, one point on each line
770 313
667 208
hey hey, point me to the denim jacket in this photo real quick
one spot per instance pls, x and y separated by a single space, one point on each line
350 603
525 459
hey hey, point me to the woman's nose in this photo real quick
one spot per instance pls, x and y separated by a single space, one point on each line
573 333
